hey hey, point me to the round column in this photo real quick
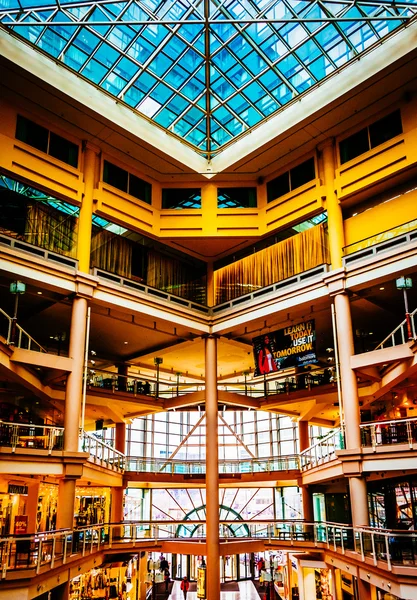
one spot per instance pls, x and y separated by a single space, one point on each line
347 375
334 211
359 501
73 393
66 501
86 211
212 471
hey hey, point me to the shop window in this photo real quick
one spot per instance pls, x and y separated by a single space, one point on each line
291 180
46 141
370 137
181 198
236 197
126 182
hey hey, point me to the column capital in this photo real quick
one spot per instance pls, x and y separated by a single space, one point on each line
87 145
328 143
85 284
210 336
335 281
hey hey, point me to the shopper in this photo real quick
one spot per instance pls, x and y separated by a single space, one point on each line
185 585
167 578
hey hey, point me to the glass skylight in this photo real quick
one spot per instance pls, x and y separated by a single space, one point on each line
207 71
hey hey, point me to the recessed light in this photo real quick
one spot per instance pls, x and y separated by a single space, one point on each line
125 342
39 293
382 288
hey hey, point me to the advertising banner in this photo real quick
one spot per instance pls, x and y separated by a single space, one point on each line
201 582
293 346
20 524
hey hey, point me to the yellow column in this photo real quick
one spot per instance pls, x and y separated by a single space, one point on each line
32 506
73 393
142 575
334 211
120 437
209 208
212 471
84 224
345 345
117 512
65 506
303 437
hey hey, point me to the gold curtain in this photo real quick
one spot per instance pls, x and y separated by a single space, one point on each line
172 276
50 229
111 252
299 253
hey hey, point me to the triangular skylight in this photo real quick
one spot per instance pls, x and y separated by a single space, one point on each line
207 71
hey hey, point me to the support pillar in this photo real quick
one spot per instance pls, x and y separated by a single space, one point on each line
334 211
364 589
211 292
307 496
303 437
359 501
32 506
122 371
120 437
212 471
347 375
66 501
86 211
73 393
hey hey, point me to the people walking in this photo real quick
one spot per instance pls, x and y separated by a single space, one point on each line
185 586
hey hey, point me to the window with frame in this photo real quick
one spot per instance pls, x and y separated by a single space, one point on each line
236 197
178 198
291 180
371 136
126 182
46 141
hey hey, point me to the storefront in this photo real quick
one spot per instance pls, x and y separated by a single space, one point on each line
111 581
47 507
92 506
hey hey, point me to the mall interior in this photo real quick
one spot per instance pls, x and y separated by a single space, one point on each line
208 273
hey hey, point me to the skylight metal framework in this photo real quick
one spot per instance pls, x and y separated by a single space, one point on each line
207 71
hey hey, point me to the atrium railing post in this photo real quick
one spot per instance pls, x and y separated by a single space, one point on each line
373 547
387 551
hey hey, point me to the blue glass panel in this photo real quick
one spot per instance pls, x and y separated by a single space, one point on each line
106 55
321 68
308 52
155 34
99 15
94 71
238 104
135 13
222 115
162 93
223 31
86 41
283 93
293 33
141 50
160 64
194 116
254 92
240 47
192 89
251 116
314 13
191 61
301 80
145 82
165 117
113 84
74 58
270 80
236 127
222 88
267 105
174 47
193 34
30 33
289 66
274 48
133 96
328 37
340 54
259 32
239 76
121 36
221 137
177 105
196 137
176 77
224 60
255 63
51 42
182 128
126 68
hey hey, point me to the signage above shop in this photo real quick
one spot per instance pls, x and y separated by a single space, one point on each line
17 489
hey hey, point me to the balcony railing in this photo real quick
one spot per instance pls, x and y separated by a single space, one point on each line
381 433
22 338
189 467
381 242
323 450
43 551
101 451
400 333
26 435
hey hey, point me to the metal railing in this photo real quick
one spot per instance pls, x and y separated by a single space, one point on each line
22 338
381 242
101 451
171 466
43 551
381 433
323 450
26 435
400 333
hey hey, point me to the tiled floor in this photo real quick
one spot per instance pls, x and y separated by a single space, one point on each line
246 591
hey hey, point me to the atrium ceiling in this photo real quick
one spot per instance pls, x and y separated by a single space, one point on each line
207 72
